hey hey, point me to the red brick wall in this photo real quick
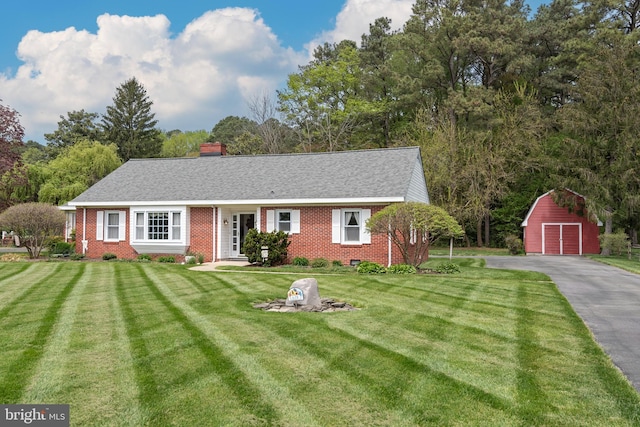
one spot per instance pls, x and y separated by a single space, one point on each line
314 240
201 232
99 247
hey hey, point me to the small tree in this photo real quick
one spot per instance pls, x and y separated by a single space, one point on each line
34 224
413 227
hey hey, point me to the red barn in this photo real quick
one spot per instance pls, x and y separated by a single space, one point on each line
550 229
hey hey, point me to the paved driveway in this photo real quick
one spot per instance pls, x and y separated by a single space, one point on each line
607 298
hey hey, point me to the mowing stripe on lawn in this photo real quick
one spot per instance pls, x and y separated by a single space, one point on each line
15 289
389 391
127 386
19 372
530 395
11 270
251 383
47 379
145 380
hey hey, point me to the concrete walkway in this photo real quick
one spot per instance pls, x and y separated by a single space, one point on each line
211 266
606 298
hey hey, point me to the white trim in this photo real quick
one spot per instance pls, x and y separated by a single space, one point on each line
100 225
338 226
263 202
336 220
271 221
562 224
145 242
295 221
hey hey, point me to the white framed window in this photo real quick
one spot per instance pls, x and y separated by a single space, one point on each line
111 225
287 220
348 226
158 225
284 221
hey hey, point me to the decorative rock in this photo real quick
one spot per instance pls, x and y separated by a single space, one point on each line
304 292
327 305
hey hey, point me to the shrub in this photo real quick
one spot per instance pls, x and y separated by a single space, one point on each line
320 263
300 261
368 267
168 259
336 263
200 258
144 257
108 256
190 259
617 243
76 257
58 248
277 243
447 268
513 243
401 269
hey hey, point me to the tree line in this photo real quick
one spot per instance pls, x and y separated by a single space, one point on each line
505 105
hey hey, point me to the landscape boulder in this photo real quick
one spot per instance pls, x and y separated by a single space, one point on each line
304 292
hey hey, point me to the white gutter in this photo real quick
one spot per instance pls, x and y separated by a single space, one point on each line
261 202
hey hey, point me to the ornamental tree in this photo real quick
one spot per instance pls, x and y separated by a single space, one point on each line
34 224
413 227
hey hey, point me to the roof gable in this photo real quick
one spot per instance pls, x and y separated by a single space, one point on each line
383 174
548 193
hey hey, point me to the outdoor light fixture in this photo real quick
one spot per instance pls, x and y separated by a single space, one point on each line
225 221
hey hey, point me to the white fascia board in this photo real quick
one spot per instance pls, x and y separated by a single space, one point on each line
260 202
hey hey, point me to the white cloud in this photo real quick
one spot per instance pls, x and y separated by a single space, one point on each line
210 70
356 15
203 74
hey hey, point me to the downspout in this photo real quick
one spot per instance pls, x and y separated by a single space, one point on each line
389 248
85 242
216 232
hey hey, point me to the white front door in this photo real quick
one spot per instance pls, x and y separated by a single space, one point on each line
241 223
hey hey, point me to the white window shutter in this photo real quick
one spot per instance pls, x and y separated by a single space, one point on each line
365 236
122 224
295 221
271 221
100 225
335 225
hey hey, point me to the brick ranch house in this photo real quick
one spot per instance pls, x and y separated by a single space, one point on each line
207 204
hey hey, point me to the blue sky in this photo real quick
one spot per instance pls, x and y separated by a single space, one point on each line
199 60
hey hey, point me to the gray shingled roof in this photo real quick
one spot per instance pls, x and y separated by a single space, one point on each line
382 173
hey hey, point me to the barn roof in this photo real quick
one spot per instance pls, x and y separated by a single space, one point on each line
533 206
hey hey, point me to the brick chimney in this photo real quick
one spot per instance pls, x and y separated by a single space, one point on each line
213 149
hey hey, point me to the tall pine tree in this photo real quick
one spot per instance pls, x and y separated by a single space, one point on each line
129 123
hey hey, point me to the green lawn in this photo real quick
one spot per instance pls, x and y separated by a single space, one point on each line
129 344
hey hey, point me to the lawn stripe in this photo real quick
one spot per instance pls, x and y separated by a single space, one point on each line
47 379
387 392
19 372
127 386
11 270
145 380
15 289
251 382
530 395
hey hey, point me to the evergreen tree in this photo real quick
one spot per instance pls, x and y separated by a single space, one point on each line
129 123
78 126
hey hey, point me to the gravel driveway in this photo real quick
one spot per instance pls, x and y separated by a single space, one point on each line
606 298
